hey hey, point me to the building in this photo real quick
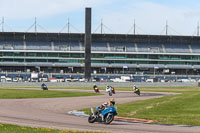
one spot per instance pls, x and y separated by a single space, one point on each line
111 53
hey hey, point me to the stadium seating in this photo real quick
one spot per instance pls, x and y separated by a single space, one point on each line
67 46
153 48
195 48
122 47
38 45
99 47
177 48
11 45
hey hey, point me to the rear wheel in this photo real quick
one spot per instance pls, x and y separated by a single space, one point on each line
91 119
108 119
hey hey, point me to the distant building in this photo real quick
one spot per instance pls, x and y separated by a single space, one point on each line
111 53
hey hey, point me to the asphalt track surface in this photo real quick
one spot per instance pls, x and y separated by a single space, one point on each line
53 113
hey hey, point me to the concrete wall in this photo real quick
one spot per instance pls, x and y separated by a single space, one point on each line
90 84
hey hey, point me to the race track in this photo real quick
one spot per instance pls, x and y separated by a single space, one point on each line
53 113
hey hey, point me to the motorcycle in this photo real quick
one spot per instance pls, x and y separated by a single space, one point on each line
109 90
113 90
96 89
44 87
106 116
137 91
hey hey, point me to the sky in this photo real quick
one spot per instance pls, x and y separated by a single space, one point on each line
117 16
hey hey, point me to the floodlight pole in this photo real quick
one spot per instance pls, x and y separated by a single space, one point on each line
134 27
88 38
101 26
68 26
166 28
35 25
198 29
2 24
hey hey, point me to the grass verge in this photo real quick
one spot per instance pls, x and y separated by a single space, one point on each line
180 109
7 128
103 88
19 94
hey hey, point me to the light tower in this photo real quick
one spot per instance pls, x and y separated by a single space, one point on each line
87 41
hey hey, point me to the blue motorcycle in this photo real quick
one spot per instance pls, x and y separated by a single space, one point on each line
44 87
106 115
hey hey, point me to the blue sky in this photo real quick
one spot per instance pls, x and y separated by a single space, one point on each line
118 15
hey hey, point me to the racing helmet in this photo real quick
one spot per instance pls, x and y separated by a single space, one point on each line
94 84
112 100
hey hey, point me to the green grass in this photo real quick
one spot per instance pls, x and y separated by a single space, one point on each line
130 88
177 109
20 93
52 87
49 87
7 128
103 88
181 109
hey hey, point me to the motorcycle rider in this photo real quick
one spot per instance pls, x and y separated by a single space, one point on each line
108 104
94 86
108 88
104 113
44 87
135 88
96 89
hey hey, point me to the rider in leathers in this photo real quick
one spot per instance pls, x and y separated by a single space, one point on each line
135 89
94 86
110 103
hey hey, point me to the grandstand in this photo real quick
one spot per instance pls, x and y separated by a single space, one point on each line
111 53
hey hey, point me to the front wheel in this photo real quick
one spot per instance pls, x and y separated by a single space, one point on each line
108 119
91 119
110 93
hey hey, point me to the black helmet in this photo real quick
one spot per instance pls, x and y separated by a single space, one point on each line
112 100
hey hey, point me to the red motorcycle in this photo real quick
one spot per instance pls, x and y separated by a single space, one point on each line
96 89
113 90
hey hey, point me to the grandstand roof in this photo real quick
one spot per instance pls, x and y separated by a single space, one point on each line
100 37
